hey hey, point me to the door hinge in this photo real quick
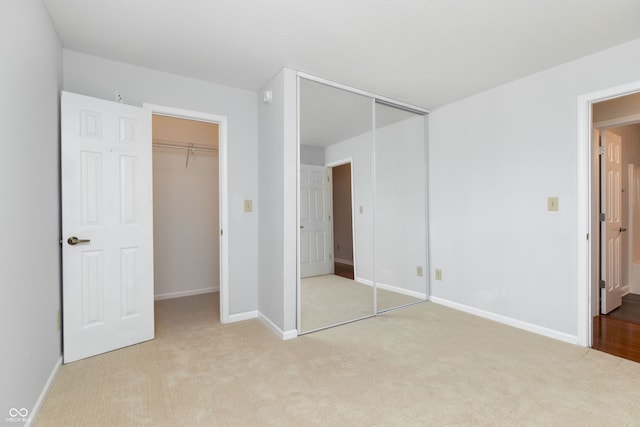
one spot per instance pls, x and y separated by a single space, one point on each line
587 236
601 150
602 284
330 256
602 217
221 232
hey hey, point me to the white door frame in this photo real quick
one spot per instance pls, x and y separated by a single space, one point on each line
588 222
223 190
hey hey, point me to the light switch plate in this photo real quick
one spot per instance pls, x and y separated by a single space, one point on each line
438 274
552 204
248 206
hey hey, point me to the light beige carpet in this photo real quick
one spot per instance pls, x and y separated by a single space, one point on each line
329 299
422 365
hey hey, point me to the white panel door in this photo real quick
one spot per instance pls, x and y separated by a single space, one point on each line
316 240
611 206
107 208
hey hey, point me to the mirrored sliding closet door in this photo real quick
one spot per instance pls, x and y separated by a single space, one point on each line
335 206
362 206
400 213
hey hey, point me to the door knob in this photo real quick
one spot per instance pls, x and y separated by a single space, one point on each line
74 240
622 230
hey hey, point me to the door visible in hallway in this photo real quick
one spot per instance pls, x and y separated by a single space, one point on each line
315 228
611 206
107 226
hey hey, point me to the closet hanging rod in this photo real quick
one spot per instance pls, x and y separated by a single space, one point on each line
157 143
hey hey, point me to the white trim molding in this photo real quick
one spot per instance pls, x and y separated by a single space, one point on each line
43 393
239 317
396 289
284 335
587 286
550 333
180 294
391 288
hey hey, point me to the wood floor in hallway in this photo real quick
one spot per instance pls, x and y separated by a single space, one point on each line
618 332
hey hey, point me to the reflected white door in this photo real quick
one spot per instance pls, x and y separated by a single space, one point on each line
611 228
107 205
315 236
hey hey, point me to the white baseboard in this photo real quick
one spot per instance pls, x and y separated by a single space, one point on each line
414 294
364 281
180 294
290 334
285 335
625 290
43 393
551 333
343 261
239 317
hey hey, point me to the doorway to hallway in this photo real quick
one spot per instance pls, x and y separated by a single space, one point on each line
616 190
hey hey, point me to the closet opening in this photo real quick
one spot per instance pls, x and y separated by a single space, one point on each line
187 229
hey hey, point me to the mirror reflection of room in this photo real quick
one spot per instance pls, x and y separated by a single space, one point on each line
336 206
400 194
362 206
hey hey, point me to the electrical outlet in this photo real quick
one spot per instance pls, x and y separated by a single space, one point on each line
438 274
552 204
248 206
419 271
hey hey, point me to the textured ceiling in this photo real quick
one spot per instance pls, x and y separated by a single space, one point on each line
424 52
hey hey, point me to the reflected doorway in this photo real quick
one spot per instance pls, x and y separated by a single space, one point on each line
342 220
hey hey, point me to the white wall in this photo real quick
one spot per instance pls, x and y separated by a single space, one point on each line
494 159
186 230
271 193
311 155
400 231
277 154
30 82
98 77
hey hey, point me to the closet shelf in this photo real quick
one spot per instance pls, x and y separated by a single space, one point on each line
182 145
190 147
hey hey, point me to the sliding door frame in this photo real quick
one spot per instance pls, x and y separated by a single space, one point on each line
376 99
